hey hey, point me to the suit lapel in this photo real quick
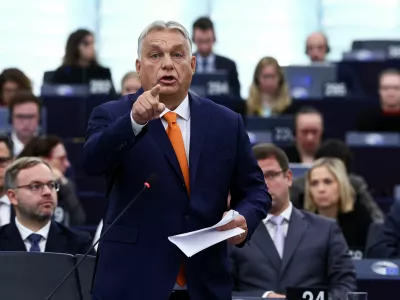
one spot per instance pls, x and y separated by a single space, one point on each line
56 240
159 135
12 240
296 230
263 241
199 119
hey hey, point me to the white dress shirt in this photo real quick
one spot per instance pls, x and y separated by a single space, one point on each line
5 210
25 232
272 229
183 120
18 145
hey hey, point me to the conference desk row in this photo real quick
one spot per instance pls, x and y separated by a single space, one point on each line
34 276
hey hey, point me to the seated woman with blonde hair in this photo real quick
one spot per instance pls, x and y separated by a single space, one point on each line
269 92
330 194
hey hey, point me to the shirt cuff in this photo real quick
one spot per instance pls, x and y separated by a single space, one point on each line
137 128
265 295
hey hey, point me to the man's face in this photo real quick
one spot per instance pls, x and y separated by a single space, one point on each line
278 182
32 197
316 47
308 132
166 59
25 119
59 158
389 90
5 159
204 40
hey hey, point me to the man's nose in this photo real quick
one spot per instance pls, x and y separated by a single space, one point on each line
167 63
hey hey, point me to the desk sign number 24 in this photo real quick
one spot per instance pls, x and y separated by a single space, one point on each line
307 295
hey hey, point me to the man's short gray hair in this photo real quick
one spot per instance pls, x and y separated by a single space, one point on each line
10 180
161 25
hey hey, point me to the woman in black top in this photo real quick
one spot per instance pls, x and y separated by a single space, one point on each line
329 193
80 65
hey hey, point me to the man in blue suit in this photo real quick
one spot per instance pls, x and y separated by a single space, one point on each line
199 150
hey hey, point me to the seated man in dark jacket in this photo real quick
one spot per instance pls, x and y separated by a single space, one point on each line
386 242
290 248
338 149
32 190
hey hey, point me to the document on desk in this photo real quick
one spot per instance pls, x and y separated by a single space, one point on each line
193 242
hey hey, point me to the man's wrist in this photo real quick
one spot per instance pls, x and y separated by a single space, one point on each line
137 128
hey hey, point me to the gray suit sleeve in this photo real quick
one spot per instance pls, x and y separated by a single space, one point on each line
341 272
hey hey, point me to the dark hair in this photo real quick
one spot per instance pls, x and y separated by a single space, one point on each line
388 72
41 146
8 142
305 110
203 23
17 76
22 98
266 150
72 54
336 149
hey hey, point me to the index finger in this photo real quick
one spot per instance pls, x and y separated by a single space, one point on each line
155 91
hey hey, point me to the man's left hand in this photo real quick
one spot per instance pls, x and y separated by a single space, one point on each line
239 221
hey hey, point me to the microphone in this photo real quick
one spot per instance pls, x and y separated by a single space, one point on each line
147 185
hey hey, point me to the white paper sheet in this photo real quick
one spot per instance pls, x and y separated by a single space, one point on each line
193 242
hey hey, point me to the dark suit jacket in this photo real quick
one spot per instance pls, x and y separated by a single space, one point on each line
224 63
79 75
60 240
378 121
136 255
386 243
315 255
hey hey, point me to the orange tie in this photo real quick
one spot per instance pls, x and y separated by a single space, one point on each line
175 136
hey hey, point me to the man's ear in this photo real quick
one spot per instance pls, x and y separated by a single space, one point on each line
12 197
138 66
289 177
193 63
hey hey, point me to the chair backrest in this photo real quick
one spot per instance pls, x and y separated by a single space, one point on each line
85 275
34 276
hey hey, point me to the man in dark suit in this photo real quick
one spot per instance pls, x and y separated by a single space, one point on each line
291 248
199 150
207 61
386 242
32 190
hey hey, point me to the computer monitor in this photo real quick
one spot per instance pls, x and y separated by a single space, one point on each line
309 81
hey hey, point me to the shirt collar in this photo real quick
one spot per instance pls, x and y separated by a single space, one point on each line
25 232
183 110
285 214
4 199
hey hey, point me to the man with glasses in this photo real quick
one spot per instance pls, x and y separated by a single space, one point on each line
24 110
290 248
32 190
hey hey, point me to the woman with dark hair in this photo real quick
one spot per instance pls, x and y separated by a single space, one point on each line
80 65
12 81
51 148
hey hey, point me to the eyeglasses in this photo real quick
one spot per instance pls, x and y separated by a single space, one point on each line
38 187
271 175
